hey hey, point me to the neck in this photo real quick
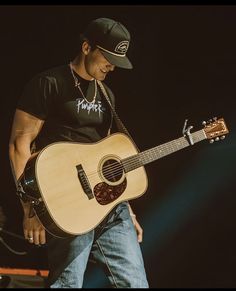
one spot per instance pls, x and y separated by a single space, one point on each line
79 67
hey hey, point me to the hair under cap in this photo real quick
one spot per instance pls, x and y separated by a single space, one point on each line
113 40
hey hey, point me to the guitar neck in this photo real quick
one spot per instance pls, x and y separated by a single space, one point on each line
155 153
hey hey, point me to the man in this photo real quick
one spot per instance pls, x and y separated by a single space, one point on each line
67 103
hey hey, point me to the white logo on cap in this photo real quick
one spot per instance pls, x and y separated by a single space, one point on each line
122 47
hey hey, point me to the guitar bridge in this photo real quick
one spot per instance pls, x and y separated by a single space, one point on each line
84 181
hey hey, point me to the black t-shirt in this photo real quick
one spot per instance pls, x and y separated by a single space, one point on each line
53 97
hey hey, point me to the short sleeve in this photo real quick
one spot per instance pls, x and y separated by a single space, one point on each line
37 96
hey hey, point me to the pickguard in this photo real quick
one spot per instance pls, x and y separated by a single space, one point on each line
106 194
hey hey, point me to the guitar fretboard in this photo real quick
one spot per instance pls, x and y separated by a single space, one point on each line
150 155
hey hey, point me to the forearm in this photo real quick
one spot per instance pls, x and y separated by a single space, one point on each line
32 227
18 159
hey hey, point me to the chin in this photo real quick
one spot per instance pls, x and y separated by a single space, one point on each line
101 78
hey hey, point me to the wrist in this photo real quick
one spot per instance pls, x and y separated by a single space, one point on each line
26 207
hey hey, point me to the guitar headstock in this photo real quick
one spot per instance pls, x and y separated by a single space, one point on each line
215 129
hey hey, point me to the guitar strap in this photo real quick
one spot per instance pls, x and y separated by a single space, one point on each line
119 123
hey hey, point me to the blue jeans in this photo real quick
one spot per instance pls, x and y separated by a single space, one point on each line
113 243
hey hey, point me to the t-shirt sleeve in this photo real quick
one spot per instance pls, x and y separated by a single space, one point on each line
37 96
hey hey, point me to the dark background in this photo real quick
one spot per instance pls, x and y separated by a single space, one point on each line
184 61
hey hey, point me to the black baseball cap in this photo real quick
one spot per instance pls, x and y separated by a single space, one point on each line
112 38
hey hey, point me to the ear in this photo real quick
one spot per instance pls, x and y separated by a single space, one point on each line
86 48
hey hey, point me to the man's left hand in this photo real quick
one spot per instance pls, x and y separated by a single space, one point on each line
138 228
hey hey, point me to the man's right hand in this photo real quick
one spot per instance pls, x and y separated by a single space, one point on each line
34 231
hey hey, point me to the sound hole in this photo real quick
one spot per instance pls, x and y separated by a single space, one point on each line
112 170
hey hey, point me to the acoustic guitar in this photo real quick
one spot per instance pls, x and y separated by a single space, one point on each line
73 186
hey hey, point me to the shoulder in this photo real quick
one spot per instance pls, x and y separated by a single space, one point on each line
57 73
50 77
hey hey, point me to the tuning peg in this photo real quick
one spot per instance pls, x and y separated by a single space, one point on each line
217 138
209 122
204 123
222 137
211 140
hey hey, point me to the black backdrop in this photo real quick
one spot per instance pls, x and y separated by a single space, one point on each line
184 61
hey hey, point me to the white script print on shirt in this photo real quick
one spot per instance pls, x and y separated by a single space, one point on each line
84 105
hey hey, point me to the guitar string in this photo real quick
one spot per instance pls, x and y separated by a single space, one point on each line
118 170
115 170
133 159
132 163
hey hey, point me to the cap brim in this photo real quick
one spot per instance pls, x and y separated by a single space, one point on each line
121 62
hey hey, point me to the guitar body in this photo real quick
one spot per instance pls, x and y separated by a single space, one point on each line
79 184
